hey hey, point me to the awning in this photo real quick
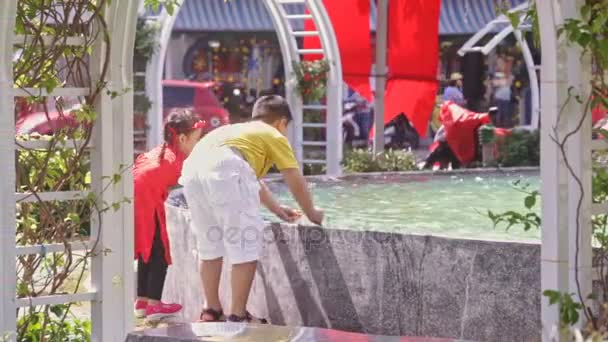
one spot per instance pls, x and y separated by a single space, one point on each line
218 15
462 16
457 16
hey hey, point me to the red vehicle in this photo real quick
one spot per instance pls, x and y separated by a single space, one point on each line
198 96
32 118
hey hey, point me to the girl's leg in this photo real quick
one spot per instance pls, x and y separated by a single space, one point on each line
142 280
157 270
141 303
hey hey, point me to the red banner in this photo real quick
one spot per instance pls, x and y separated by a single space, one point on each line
350 20
413 56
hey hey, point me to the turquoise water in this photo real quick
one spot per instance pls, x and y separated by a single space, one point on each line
454 206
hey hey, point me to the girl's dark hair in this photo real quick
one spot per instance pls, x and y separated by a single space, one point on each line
178 122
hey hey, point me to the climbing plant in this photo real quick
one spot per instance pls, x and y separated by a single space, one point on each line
590 34
65 123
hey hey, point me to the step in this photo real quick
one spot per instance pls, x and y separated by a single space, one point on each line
314 107
59 91
314 161
48 40
314 125
305 33
314 143
298 16
311 52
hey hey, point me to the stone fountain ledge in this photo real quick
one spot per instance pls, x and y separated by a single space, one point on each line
378 283
405 174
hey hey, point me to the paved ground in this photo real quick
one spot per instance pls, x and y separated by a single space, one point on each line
259 333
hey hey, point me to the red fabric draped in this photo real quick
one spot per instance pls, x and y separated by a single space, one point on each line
350 20
413 56
460 128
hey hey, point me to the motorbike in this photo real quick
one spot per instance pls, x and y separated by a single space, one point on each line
358 119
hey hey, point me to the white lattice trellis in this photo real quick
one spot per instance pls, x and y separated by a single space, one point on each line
112 267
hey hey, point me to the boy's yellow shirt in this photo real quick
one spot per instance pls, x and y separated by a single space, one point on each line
260 144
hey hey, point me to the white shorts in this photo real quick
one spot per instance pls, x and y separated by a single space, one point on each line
224 204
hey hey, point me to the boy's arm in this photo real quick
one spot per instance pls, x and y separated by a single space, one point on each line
268 200
284 213
298 187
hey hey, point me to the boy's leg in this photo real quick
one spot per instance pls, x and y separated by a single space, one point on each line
209 236
243 241
242 279
211 271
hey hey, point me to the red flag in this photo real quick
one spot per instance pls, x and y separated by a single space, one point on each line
413 56
350 20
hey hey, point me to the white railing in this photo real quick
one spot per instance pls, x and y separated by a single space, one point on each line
288 35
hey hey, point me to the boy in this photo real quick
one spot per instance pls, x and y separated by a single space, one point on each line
223 188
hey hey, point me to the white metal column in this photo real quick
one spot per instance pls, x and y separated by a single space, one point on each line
380 77
292 53
565 253
8 10
112 264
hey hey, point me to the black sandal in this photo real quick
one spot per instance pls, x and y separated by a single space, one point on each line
247 319
218 316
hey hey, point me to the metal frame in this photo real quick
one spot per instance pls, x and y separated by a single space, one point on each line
154 73
291 53
112 272
7 171
563 68
527 54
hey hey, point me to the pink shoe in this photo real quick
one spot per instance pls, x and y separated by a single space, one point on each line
162 310
140 308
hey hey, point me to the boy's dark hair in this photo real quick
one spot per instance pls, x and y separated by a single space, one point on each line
271 108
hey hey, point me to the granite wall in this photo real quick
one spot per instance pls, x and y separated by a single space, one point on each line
378 283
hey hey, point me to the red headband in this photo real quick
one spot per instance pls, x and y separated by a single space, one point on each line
197 125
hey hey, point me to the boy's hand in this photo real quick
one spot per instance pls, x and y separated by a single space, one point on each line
288 214
316 216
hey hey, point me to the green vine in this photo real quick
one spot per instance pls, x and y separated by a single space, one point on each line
63 163
590 33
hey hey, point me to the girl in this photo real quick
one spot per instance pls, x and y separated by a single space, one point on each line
154 173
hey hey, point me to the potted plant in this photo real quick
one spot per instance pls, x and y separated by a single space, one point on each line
311 79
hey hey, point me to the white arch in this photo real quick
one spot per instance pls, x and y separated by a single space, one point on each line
527 54
154 74
291 53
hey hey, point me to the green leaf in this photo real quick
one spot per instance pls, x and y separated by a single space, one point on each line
58 310
554 296
513 18
530 201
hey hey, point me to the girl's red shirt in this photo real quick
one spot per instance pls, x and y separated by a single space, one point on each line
154 176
